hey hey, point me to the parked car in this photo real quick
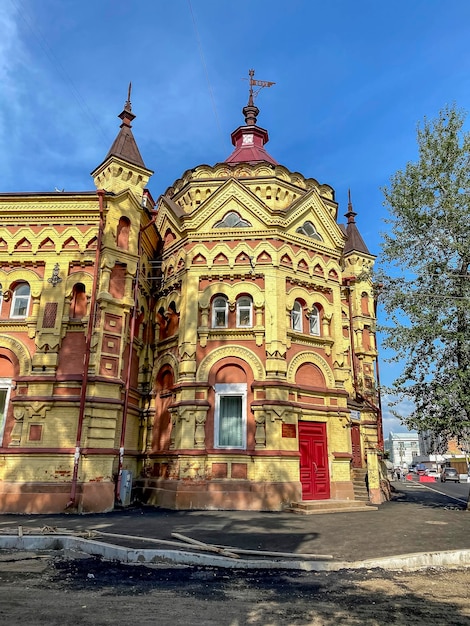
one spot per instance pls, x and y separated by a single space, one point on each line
421 469
449 473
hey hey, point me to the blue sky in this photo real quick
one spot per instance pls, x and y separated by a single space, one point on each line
353 80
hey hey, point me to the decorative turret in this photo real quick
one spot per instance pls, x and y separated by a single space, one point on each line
355 242
249 140
124 145
123 166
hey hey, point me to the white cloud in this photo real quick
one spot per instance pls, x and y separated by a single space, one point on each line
390 422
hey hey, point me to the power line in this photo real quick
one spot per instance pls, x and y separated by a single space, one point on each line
203 61
33 27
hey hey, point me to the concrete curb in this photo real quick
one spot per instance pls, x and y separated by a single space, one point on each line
111 552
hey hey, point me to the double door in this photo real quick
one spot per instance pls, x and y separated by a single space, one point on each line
314 473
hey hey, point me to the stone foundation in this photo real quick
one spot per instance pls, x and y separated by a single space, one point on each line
51 498
342 491
228 495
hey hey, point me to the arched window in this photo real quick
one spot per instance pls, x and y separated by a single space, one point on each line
309 230
20 302
365 303
232 220
296 317
220 312
314 321
244 312
78 304
123 229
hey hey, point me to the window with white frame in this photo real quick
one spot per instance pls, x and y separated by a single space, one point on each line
5 387
244 312
220 312
230 415
20 301
314 321
296 317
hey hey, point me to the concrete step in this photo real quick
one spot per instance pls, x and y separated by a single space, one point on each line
315 507
359 473
360 486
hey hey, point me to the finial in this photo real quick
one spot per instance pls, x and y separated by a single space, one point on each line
128 105
127 116
350 214
251 110
250 97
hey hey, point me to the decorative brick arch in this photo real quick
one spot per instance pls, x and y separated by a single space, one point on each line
244 354
78 277
19 351
22 274
315 359
299 293
232 292
166 359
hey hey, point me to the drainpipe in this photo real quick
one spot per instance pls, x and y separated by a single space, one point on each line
377 376
376 408
129 363
86 357
351 336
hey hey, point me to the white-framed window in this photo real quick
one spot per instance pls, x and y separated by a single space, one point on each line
296 317
314 321
20 301
230 415
5 388
220 312
244 312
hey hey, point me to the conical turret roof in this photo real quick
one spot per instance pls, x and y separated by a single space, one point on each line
125 146
354 242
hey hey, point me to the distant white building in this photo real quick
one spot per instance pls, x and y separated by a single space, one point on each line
403 448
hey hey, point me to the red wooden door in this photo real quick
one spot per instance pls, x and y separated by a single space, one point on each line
356 446
314 474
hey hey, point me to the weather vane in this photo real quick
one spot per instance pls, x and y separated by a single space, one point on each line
257 83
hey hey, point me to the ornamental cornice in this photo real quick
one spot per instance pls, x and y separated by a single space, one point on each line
247 234
311 340
222 171
312 287
230 334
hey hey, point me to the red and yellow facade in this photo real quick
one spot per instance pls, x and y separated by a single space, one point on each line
219 345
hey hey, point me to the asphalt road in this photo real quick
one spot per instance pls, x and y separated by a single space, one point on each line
89 592
63 588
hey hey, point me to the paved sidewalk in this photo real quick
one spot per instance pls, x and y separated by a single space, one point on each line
415 521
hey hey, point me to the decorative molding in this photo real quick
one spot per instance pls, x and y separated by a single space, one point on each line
231 351
20 351
315 359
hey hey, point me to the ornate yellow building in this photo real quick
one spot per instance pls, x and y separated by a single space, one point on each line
216 349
